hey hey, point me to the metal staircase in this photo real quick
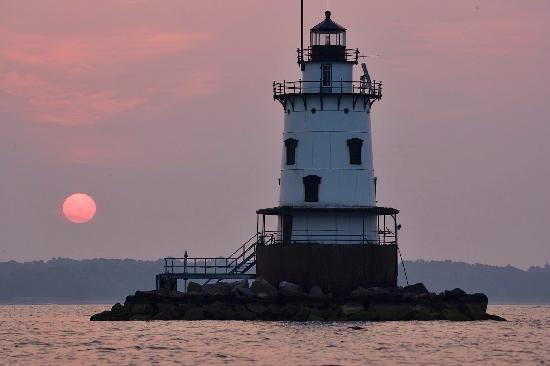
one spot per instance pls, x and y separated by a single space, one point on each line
238 265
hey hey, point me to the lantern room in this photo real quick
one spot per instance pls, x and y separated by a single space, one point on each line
328 41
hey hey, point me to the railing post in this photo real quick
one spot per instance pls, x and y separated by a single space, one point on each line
378 228
363 233
185 256
263 228
396 228
384 230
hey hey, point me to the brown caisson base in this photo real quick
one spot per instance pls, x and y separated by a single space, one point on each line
336 268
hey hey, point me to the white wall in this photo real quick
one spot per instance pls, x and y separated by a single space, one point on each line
333 227
322 125
340 72
322 150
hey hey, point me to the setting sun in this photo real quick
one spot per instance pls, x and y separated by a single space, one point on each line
79 208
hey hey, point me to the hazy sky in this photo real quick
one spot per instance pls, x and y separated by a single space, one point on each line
162 111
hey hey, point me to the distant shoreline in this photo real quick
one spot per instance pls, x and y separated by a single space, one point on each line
106 281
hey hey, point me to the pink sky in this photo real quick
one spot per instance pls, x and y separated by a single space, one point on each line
162 111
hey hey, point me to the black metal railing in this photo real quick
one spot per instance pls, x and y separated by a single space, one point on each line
383 237
240 261
244 258
199 265
371 89
350 55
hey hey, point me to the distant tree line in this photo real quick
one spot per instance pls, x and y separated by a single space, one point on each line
501 284
106 280
66 280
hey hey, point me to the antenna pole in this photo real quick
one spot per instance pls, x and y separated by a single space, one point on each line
302 65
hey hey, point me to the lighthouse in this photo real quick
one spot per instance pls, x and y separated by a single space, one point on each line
329 229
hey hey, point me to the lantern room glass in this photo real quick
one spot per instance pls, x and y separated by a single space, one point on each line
328 38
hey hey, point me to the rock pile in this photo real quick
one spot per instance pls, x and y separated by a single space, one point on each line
290 302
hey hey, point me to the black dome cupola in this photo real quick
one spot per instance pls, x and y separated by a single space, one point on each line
328 27
328 41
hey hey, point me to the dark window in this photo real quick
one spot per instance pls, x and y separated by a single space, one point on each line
326 75
355 146
290 145
311 187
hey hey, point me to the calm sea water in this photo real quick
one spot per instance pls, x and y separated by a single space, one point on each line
59 334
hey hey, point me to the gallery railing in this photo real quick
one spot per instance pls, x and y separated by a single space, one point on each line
372 89
244 258
350 55
383 237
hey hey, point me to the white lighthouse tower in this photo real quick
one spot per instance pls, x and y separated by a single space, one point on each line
327 185
330 232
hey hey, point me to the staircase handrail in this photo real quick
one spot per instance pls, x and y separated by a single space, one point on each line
240 249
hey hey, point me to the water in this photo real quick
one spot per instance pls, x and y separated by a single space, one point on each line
59 334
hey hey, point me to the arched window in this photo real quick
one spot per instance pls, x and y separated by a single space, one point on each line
355 146
290 145
311 188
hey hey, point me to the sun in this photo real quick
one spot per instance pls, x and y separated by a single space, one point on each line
79 208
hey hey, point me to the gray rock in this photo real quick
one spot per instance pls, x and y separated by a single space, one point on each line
476 305
377 294
263 289
351 308
217 289
142 309
242 293
242 313
140 317
494 317
455 294
195 313
418 288
219 311
275 309
289 289
104 316
240 284
385 312
316 293
167 311
454 313
194 288
256 308
426 297
117 308
359 293
182 309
